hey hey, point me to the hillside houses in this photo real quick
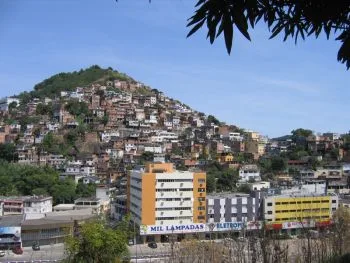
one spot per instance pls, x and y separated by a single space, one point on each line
99 130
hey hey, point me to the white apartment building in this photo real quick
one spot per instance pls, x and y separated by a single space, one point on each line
158 195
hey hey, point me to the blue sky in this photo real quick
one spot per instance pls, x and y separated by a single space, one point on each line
266 85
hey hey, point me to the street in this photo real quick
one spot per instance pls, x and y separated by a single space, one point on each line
49 253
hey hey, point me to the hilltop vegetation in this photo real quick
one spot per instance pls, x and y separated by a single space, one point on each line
52 86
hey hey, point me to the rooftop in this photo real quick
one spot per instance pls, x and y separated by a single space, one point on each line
11 220
227 195
87 199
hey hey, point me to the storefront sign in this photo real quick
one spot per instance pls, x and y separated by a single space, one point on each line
225 226
197 228
254 225
171 229
303 224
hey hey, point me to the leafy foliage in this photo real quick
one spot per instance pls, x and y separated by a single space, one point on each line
220 178
44 109
77 108
212 119
8 152
52 86
28 180
96 243
85 190
301 133
292 18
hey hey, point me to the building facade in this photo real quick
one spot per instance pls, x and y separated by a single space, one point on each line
159 195
303 209
234 207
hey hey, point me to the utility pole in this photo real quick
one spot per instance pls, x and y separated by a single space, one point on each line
135 243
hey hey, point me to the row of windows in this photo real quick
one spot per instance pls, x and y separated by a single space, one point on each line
174 180
173 208
201 199
300 218
136 197
301 210
201 190
175 199
135 188
232 215
201 207
174 218
302 202
174 190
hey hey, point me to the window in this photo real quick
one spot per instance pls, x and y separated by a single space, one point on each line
201 181
269 212
334 201
201 217
201 208
201 190
284 203
278 203
269 204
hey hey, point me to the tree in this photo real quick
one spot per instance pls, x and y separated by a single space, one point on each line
340 231
147 157
77 108
278 164
8 152
44 109
292 18
85 190
211 183
301 133
212 119
64 191
12 105
96 243
244 188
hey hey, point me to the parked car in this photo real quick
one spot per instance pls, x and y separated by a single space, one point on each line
17 250
2 253
152 244
131 242
35 246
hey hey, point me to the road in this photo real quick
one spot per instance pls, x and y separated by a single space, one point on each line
50 253
56 252
142 252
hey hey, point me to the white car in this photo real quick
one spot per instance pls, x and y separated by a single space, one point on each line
2 253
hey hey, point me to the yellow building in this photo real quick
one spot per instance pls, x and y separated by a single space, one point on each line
255 147
225 158
308 209
160 196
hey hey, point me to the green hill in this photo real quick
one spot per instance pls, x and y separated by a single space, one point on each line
52 86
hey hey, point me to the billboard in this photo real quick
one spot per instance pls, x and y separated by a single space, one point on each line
10 235
171 229
199 228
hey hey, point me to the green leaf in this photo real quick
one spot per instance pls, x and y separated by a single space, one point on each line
228 32
241 22
199 3
196 27
276 31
